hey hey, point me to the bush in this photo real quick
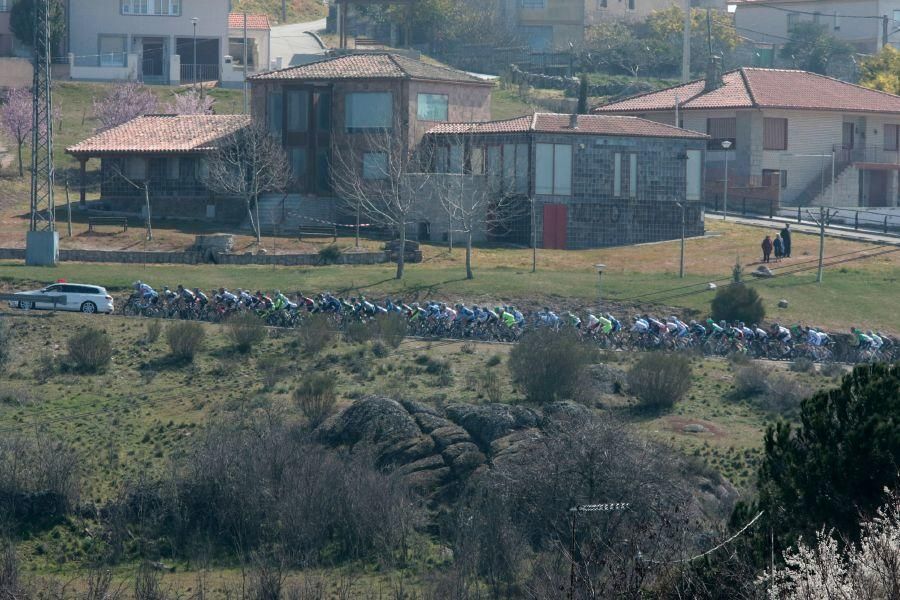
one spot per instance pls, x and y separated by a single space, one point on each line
315 334
391 329
832 370
738 302
549 365
358 332
185 339
330 254
316 397
750 381
245 331
783 394
90 350
491 386
5 344
801 364
272 369
659 380
154 330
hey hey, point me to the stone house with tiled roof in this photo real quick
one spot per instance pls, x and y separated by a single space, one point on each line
167 152
820 140
595 180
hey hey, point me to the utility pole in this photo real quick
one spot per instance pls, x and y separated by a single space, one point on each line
147 207
246 66
533 239
686 45
42 239
283 12
884 30
586 508
68 208
681 262
823 219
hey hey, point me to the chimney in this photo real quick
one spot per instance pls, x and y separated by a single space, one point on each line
713 77
573 121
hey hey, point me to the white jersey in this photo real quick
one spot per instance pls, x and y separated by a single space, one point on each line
640 326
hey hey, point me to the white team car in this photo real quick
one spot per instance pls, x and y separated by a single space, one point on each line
79 297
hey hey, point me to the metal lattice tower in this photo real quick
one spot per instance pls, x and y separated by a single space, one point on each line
43 214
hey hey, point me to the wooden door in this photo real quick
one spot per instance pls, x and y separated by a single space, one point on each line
555 226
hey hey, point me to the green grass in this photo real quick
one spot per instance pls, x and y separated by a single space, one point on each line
506 104
298 11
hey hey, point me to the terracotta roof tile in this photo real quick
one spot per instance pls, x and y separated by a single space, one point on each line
612 125
162 133
764 88
254 21
380 65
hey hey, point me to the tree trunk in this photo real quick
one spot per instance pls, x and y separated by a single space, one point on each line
401 255
469 274
253 224
21 168
258 224
357 223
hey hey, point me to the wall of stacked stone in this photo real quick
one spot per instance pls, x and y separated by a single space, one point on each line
194 258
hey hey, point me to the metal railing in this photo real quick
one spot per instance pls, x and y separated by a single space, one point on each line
199 72
871 153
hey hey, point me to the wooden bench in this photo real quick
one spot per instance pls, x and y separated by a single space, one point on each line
119 221
318 231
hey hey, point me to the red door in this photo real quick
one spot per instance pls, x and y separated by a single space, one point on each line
555 226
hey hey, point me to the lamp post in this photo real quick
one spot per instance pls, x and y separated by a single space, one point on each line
194 68
725 145
681 263
600 268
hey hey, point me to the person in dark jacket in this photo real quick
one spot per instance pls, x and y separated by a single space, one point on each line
778 246
766 248
786 240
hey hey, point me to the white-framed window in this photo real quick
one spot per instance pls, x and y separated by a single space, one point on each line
368 110
892 137
433 107
112 50
375 165
533 4
620 162
160 8
5 5
553 169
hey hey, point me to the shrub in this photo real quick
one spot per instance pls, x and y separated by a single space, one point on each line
750 380
660 380
330 254
739 358
245 331
491 386
358 333
832 370
391 329
783 394
738 302
154 330
316 397
549 365
315 334
185 339
90 350
5 344
272 369
494 360
379 349
801 364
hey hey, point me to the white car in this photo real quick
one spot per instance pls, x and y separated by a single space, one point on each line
79 297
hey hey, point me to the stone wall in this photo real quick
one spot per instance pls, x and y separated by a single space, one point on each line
194 258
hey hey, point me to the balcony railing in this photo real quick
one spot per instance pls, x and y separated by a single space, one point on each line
871 154
199 73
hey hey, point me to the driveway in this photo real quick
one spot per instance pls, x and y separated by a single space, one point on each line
296 44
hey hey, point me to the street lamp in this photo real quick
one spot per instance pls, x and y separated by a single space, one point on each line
726 144
194 69
681 264
600 268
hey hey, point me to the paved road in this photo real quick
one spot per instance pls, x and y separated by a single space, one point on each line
835 231
296 43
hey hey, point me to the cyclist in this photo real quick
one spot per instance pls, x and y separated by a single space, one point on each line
548 317
226 298
447 313
593 323
262 302
185 296
863 341
681 328
759 333
464 314
641 325
169 296
877 342
715 330
781 333
520 318
697 329
748 333
147 293
572 319
508 318
281 302
200 298
616 325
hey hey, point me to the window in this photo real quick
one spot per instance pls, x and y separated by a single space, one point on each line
515 168
112 50
892 137
323 111
836 22
534 4
368 110
476 161
620 161
601 3
553 169
297 110
720 130
167 8
433 107
793 19
456 158
631 4
276 113
299 166
4 6
769 175
775 134
375 165
848 133
236 50
693 173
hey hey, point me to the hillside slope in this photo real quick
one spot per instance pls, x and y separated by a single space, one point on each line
298 11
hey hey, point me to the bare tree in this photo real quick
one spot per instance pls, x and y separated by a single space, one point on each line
246 164
376 172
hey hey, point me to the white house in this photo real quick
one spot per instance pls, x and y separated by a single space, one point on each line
858 22
796 128
258 47
155 41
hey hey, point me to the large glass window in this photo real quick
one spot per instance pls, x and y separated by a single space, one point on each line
297 110
433 107
456 158
515 168
368 110
620 163
553 169
375 165
112 50
276 113
299 165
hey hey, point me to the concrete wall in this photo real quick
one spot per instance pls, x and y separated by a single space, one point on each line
7 39
466 103
435 191
193 258
127 73
234 74
15 72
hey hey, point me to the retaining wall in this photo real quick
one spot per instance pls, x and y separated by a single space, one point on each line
194 258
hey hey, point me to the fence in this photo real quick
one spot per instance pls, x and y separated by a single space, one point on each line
191 73
484 58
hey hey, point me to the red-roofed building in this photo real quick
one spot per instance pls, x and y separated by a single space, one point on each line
595 180
259 45
783 128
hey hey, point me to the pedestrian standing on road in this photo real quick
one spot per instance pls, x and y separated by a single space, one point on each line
766 248
786 240
778 246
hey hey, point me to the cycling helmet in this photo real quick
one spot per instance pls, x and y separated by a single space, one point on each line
136 284
693 322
